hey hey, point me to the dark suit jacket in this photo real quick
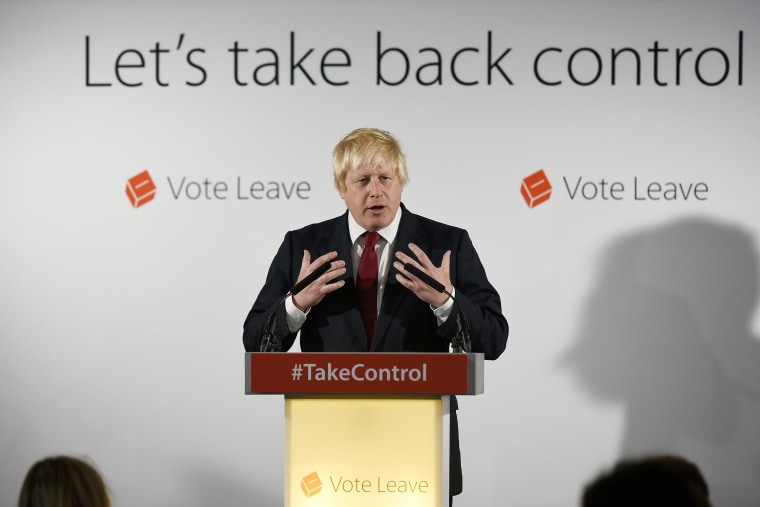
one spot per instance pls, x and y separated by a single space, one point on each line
405 323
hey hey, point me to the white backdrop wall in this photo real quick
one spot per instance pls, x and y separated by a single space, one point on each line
634 323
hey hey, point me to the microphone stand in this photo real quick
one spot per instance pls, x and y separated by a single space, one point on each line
460 342
271 337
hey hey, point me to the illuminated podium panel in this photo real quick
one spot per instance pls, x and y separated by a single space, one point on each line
365 429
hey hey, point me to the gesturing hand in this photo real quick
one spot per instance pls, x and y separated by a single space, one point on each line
419 287
313 293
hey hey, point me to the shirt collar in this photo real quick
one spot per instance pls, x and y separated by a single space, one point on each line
388 233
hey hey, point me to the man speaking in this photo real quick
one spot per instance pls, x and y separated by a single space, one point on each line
352 280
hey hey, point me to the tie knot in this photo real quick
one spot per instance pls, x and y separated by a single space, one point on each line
371 239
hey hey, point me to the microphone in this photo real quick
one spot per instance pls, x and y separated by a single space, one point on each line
432 282
460 342
271 338
308 279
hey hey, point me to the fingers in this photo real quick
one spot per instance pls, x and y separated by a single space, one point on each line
326 283
305 262
422 257
446 261
309 266
336 269
423 262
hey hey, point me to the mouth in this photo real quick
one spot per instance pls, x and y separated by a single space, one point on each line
376 210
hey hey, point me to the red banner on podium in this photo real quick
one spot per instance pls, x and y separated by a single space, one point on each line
363 373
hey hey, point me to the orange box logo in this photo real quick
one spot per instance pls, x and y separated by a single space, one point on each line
311 485
140 189
536 189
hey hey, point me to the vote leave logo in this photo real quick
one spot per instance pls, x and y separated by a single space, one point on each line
536 189
140 189
311 485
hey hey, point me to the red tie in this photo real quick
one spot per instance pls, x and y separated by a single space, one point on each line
366 283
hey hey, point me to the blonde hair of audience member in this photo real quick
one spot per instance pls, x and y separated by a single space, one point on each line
367 147
63 481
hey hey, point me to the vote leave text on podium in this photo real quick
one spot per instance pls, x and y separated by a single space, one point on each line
366 429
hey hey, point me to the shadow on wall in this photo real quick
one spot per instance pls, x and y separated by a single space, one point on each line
666 332
209 487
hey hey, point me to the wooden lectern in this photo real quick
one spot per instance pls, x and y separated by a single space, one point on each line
366 429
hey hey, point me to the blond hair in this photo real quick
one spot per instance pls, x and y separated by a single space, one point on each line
368 147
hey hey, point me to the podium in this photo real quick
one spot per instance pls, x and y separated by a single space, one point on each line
369 429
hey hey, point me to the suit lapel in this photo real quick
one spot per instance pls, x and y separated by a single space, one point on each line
395 294
337 238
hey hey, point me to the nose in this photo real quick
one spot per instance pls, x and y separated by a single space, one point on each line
375 189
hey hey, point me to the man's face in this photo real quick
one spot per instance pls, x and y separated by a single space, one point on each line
372 195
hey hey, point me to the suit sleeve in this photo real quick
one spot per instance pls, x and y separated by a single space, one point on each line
479 301
280 279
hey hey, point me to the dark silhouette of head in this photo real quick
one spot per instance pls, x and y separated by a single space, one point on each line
655 481
63 481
